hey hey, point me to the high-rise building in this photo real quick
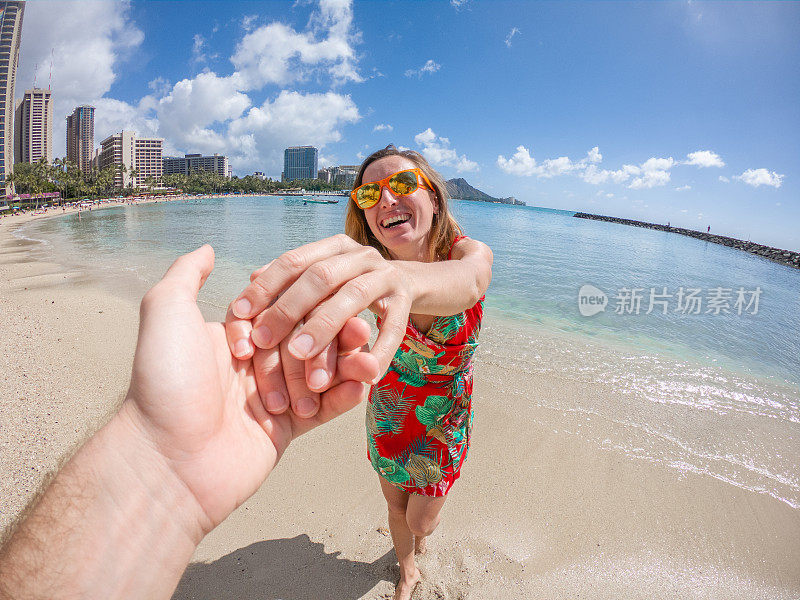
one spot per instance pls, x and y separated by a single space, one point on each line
80 137
344 175
144 155
299 162
10 31
325 174
216 163
33 127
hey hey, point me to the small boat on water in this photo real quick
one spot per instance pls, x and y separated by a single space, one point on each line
321 201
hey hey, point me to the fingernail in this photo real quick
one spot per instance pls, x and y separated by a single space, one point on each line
275 402
262 336
242 347
242 308
306 407
301 345
317 378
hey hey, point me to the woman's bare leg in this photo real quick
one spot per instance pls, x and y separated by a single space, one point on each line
423 514
402 538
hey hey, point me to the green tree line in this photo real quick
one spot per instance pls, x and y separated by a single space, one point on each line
65 177
61 176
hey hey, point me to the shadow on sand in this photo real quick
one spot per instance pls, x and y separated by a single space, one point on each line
286 569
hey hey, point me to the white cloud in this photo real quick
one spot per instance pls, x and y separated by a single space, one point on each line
704 158
439 153
277 54
209 112
724 179
259 136
654 172
382 127
522 163
514 31
594 156
459 4
429 67
248 21
758 177
683 188
651 173
85 65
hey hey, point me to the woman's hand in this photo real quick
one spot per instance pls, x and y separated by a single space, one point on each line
339 278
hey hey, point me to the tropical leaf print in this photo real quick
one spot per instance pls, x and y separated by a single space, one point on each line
392 471
434 410
420 348
446 327
405 365
423 470
387 410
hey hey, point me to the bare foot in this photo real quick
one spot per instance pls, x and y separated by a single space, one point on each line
405 587
420 545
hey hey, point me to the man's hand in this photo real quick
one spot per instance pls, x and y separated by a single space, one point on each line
200 408
191 442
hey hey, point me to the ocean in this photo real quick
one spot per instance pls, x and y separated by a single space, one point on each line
700 342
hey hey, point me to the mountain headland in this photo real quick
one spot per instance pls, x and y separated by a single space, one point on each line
459 189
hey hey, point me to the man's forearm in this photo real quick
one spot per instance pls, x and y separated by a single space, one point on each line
115 499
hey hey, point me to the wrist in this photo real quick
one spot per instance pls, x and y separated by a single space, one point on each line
148 470
115 499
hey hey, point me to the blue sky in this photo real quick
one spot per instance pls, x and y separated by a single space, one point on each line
684 112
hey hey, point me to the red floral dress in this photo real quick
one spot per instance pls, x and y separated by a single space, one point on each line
419 416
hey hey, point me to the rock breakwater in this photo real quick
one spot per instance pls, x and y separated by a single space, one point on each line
784 257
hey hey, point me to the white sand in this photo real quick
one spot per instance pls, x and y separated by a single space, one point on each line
538 513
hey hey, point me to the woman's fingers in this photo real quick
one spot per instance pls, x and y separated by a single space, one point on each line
319 281
284 270
321 368
237 332
351 364
260 270
270 380
304 402
359 366
354 335
391 334
353 297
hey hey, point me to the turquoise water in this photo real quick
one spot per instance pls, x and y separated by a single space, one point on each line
542 258
714 394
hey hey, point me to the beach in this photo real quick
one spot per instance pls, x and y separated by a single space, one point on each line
541 510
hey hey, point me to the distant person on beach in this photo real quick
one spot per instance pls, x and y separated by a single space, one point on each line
404 258
709 229
190 443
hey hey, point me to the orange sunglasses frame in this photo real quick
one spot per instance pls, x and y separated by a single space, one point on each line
385 183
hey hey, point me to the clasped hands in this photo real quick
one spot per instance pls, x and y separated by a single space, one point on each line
304 305
218 403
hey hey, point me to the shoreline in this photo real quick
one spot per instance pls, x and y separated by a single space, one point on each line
540 511
788 258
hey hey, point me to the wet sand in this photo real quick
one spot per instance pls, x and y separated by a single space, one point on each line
540 511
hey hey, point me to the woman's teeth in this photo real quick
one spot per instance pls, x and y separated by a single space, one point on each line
396 220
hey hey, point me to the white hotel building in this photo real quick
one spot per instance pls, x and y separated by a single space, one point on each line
142 154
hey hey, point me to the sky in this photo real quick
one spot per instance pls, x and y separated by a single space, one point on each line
679 112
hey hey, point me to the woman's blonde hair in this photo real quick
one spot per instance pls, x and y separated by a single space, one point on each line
444 229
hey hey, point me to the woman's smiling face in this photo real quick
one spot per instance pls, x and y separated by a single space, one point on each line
401 223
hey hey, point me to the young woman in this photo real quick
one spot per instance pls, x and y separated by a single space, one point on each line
406 259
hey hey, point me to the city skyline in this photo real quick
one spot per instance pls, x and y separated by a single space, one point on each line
646 114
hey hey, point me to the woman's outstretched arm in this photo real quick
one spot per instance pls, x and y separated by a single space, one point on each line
345 278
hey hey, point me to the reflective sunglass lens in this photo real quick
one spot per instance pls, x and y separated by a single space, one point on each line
404 182
368 195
